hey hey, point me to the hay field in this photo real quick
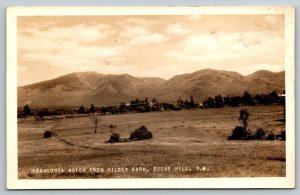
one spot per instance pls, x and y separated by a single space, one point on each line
187 143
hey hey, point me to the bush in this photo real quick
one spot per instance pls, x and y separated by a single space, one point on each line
281 136
260 134
270 136
111 126
239 133
140 134
114 138
48 133
27 110
282 133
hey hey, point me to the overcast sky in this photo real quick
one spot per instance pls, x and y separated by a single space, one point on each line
155 46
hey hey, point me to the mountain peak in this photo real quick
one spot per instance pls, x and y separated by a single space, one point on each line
84 88
261 72
214 71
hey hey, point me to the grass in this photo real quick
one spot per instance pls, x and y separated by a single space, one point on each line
188 138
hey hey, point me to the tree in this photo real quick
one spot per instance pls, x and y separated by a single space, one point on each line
122 107
81 109
244 116
103 109
187 104
134 104
210 102
241 132
180 103
274 97
247 99
94 118
235 101
27 110
283 102
219 101
43 112
154 100
192 103
147 105
227 100
259 98
267 99
92 108
155 104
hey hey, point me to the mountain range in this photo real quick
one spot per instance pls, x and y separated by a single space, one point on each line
85 88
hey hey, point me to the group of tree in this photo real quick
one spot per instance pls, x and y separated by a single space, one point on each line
243 132
187 104
246 99
83 110
146 105
137 105
40 113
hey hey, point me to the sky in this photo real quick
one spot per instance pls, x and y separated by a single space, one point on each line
147 46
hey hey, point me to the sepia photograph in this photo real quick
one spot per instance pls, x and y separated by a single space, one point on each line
150 94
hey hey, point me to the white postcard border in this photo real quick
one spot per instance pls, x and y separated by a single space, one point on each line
11 105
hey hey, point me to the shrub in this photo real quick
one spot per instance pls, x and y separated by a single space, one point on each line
43 112
48 133
92 108
27 110
140 134
270 136
114 138
282 135
260 134
239 133
81 110
111 126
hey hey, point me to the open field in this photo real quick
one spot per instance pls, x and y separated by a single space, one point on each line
183 141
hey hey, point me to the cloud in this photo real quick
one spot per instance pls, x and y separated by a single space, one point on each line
159 46
78 33
64 46
89 56
139 36
194 17
177 29
232 48
246 70
133 21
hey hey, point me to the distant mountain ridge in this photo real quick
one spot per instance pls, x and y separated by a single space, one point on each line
85 88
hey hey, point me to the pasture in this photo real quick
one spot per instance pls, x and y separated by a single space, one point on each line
187 143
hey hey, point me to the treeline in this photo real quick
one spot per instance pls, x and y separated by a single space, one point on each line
146 105
137 105
42 112
245 100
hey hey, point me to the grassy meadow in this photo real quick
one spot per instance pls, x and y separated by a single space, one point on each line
187 143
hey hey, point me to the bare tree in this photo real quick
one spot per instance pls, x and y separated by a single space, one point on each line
95 120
